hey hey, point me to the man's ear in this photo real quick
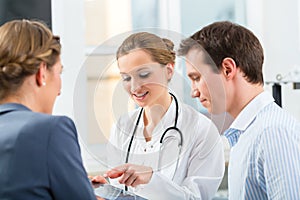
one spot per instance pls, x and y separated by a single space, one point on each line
229 68
170 70
41 75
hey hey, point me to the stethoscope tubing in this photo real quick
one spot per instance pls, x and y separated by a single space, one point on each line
163 135
131 139
161 138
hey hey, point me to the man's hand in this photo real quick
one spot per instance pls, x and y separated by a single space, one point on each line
131 175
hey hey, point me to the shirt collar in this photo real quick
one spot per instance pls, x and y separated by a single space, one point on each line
8 107
248 114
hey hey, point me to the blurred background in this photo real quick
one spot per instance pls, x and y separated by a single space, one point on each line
91 31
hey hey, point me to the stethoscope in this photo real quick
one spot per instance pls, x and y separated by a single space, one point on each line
161 138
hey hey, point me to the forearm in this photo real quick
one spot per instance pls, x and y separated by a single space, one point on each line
194 187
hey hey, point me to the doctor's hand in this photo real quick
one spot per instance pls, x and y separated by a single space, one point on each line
131 175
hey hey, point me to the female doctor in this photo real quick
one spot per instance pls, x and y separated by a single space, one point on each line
187 166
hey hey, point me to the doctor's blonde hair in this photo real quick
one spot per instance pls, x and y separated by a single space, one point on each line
161 50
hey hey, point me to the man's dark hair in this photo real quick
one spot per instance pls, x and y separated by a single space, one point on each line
226 39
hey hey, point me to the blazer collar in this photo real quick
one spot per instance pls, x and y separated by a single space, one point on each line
8 107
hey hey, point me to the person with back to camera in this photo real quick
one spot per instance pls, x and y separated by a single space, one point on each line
146 64
40 155
224 62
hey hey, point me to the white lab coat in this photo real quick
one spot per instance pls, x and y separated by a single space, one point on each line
201 164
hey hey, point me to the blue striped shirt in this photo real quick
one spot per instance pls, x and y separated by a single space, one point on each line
265 152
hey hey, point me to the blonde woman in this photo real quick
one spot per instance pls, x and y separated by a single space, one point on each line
146 64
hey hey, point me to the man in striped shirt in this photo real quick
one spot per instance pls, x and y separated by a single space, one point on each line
224 63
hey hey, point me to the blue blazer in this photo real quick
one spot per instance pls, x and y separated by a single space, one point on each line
40 157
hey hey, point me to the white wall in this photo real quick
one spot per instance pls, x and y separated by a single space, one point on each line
276 23
68 22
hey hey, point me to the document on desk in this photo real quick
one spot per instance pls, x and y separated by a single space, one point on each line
110 192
